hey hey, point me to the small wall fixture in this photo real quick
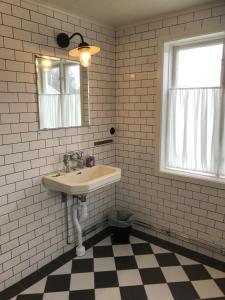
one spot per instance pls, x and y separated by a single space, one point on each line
84 51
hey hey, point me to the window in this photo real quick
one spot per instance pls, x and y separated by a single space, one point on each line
193 110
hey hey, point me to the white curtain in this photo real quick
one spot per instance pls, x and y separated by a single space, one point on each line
50 111
71 110
221 167
193 131
60 110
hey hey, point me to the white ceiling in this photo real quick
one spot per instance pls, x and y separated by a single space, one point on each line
121 12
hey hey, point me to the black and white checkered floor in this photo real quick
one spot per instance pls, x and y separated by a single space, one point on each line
135 271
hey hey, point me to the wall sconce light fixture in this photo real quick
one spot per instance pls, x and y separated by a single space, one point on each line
84 51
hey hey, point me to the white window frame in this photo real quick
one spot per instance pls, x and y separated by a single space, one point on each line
165 77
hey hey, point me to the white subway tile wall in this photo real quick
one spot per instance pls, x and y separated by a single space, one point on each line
32 219
191 210
123 86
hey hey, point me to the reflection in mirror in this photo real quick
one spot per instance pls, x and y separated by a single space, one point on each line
62 93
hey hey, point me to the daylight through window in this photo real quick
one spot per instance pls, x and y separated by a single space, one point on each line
193 112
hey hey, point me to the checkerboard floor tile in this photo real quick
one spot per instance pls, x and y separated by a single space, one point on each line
135 271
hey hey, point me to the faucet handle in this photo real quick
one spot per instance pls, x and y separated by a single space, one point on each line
79 154
66 156
72 155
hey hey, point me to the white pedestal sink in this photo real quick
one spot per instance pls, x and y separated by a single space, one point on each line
79 183
82 181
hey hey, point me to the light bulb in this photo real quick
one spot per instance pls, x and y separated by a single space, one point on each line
85 57
46 63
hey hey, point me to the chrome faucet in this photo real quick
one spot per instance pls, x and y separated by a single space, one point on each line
66 161
78 158
74 156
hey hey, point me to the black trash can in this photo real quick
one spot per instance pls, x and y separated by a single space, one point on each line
121 223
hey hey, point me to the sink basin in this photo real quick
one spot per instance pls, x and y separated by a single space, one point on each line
82 181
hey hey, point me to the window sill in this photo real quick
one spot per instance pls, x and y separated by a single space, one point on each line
192 178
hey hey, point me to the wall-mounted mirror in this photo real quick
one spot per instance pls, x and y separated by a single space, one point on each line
62 93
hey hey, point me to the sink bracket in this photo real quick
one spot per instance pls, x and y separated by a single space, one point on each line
64 200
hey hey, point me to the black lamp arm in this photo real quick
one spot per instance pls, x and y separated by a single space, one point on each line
80 35
63 40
